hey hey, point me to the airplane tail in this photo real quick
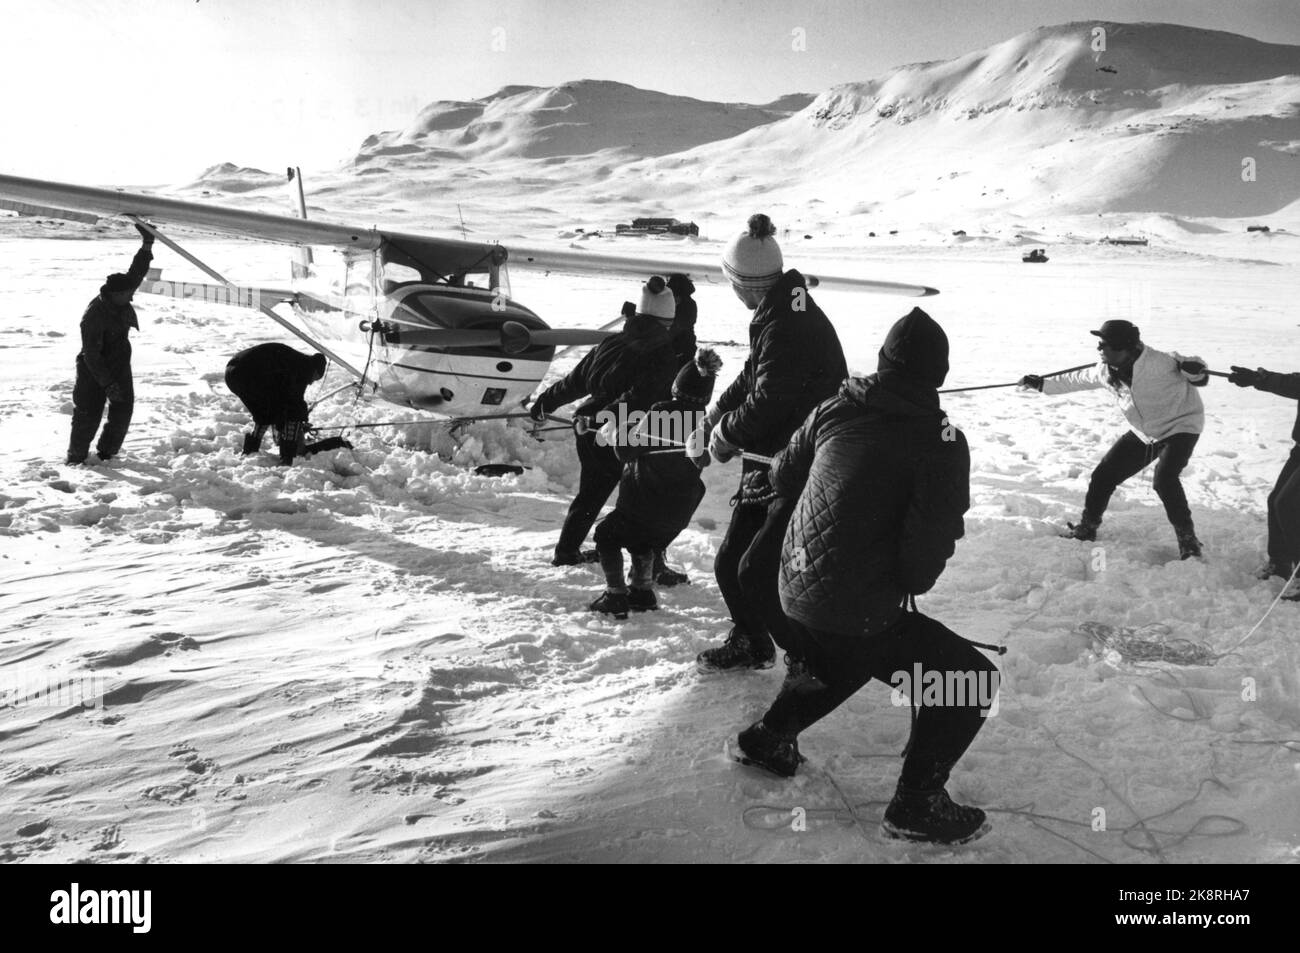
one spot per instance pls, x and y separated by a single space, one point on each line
302 262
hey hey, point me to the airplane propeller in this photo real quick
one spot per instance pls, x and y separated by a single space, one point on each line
512 337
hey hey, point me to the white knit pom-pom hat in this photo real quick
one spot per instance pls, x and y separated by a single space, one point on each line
753 259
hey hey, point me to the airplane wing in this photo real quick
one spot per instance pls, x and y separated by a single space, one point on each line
282 229
580 261
452 254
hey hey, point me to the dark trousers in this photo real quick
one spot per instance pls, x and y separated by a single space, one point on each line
945 725
1131 455
88 400
1284 515
617 532
747 568
597 479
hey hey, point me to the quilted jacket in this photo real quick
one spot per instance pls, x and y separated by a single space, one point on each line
883 482
795 362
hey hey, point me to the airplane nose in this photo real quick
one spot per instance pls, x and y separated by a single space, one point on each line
515 338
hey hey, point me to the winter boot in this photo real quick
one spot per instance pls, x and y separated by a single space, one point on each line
671 577
668 577
931 817
612 603
1085 530
1291 592
1269 570
764 748
1188 544
796 672
252 443
738 652
642 600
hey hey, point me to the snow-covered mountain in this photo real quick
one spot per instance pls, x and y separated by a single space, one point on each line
578 118
1160 120
1163 119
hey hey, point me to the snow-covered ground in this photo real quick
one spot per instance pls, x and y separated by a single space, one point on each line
368 656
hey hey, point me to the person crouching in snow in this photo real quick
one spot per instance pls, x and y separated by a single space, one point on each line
658 492
633 368
882 482
1155 392
271 381
1284 502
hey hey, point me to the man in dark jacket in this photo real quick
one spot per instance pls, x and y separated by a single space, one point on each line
658 493
634 369
1284 501
272 379
104 364
795 362
882 481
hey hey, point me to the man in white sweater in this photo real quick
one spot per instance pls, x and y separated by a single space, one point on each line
1156 392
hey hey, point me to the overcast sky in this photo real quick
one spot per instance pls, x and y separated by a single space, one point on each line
153 91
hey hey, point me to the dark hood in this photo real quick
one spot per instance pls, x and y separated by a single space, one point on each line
915 351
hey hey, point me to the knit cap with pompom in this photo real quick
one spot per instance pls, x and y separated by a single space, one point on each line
695 381
753 260
657 300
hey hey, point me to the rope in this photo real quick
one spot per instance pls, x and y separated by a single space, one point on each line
1276 600
961 390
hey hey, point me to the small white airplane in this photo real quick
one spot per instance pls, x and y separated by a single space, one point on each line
421 321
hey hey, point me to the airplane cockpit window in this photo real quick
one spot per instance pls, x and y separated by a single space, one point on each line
395 273
359 279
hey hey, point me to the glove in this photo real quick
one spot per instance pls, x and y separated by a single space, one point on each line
607 436
1192 366
697 446
145 235
582 424
1031 382
538 411
628 309
720 447
1245 377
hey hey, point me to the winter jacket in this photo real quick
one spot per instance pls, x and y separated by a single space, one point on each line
271 380
661 491
106 329
635 367
883 481
1284 385
795 362
1160 402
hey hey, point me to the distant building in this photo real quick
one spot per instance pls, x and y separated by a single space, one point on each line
658 226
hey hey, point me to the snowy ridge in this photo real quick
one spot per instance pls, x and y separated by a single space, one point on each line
580 118
1040 125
